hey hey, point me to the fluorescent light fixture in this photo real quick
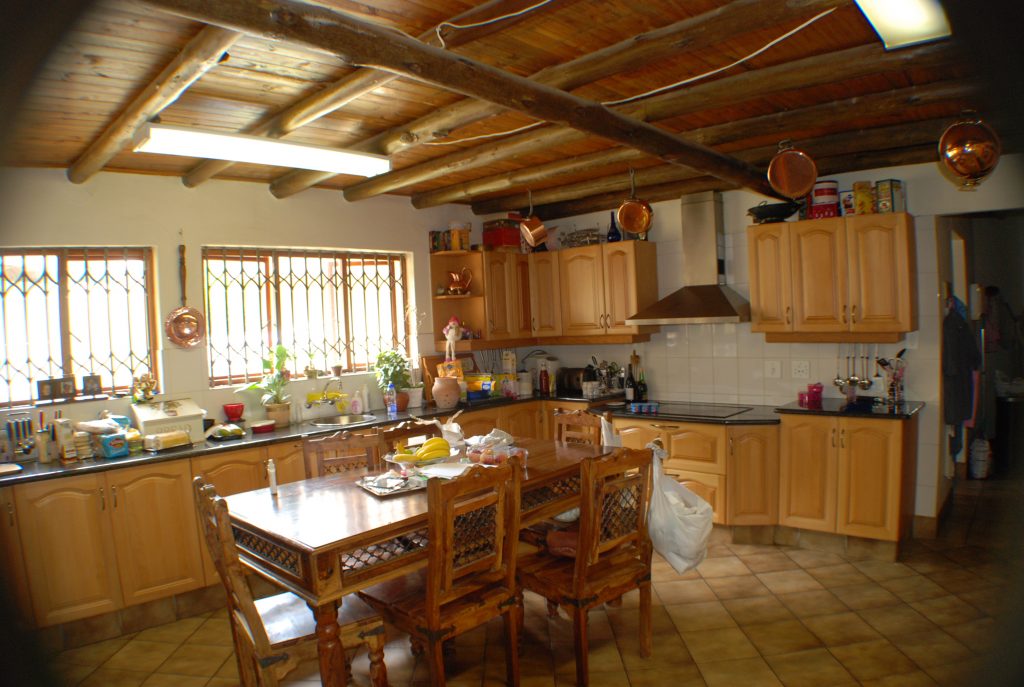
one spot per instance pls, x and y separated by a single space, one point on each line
178 140
900 23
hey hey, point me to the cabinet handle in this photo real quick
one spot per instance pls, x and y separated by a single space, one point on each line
103 500
665 426
533 322
853 314
844 313
113 495
10 513
842 438
788 320
833 437
732 448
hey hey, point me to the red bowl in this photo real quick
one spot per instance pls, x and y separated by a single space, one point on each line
233 411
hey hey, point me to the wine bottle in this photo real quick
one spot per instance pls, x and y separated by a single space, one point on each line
544 382
613 231
630 384
641 388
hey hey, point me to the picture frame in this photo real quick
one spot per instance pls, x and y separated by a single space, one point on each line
44 390
92 385
63 387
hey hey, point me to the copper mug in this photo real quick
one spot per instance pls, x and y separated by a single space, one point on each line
458 282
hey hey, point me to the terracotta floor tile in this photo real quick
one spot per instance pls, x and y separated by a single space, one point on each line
717 550
916 679
883 570
603 657
597 679
70 673
870 595
991 601
92 654
841 628
809 558
737 587
977 634
896 620
914 588
685 675
140 655
955 580
224 682
838 575
195 659
769 562
781 637
749 672
959 674
703 615
111 677
930 562
684 591
789 581
805 604
870 660
213 632
718 645
757 609
176 632
811 668
946 610
723 566
164 680
743 550
931 648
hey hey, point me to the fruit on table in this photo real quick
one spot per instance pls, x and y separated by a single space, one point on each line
432 449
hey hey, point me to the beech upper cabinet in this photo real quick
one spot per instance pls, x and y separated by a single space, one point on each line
603 284
837 279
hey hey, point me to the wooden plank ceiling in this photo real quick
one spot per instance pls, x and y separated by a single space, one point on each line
830 87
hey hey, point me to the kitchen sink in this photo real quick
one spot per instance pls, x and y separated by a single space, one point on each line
342 420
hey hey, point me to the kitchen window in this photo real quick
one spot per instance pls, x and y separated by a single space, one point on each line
327 307
71 312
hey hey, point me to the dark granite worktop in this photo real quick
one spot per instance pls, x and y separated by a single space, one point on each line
863 407
744 415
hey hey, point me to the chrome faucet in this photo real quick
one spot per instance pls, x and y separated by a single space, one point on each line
323 393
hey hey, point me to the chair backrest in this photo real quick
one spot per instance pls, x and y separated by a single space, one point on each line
614 500
472 533
343 453
577 427
404 431
220 542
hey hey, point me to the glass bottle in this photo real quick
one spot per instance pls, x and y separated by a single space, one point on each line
613 231
544 382
630 384
391 400
641 388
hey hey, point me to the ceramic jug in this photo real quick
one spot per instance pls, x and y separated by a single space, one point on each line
446 392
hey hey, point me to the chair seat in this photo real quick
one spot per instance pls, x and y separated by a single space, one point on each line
551 576
288 620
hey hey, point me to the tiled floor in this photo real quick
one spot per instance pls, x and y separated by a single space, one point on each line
749 616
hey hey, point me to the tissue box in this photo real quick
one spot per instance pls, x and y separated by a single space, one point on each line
112 445
170 416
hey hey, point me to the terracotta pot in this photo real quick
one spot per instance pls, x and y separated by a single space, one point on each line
402 401
280 413
446 392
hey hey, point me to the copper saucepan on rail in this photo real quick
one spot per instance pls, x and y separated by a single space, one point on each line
792 172
185 326
634 215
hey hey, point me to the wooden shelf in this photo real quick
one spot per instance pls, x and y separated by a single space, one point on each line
460 296
454 252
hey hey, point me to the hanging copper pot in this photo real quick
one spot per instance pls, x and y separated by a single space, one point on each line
531 227
634 215
184 326
792 172
970 149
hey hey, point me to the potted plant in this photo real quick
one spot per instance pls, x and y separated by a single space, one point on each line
275 380
391 367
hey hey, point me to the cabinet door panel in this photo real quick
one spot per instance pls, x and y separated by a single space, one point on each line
545 295
870 458
479 422
882 265
807 473
620 282
636 434
154 523
753 470
69 548
818 259
499 287
289 461
522 420
693 446
709 487
581 274
770 278
520 295
13 579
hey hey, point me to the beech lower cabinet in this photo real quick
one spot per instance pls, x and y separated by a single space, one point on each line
519 420
95 543
850 476
13 579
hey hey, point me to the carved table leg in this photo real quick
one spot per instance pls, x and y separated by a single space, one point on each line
333 672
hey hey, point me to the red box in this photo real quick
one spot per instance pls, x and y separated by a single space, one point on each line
501 232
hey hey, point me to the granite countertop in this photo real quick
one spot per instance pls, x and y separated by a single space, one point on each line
753 415
863 407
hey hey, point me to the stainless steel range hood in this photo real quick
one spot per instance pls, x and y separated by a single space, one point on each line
704 298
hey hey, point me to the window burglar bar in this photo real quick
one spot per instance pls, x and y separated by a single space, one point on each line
327 307
74 312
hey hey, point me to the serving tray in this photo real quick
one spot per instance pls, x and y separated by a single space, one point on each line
401 485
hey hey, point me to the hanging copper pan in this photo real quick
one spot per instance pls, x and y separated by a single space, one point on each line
792 172
531 227
634 215
184 326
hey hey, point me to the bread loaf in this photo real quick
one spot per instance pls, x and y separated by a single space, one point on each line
165 440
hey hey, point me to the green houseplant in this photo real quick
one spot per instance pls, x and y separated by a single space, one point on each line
273 385
391 367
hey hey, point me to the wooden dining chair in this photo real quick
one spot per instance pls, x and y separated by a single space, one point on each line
273 635
577 427
471 573
406 431
343 453
612 551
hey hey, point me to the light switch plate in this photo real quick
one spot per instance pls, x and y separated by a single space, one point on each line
773 369
800 369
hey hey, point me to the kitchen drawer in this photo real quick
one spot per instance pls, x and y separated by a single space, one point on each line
708 486
694 446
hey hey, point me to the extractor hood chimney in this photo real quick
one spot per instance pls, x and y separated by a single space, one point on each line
704 298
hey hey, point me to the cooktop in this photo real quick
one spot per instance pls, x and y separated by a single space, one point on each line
699 410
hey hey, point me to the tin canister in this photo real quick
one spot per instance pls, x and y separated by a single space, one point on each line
863 197
824 200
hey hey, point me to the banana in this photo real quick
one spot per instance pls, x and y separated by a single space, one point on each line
433 455
434 444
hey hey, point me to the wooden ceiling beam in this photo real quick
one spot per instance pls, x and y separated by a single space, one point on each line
357 84
834 144
358 42
702 31
811 71
201 54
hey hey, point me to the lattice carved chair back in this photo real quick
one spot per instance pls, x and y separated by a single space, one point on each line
343 453
220 542
616 495
407 431
474 521
577 427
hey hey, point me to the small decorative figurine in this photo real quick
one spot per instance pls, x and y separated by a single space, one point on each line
453 332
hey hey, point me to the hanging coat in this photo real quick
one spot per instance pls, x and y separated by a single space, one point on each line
960 357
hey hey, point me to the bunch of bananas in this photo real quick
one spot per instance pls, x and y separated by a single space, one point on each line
432 449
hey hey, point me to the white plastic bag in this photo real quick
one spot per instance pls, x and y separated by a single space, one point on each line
679 521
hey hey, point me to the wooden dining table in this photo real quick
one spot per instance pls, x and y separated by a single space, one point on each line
326 537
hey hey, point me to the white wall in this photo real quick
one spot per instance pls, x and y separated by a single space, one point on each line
725 363
42 208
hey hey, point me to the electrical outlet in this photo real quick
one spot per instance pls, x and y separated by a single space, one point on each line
773 369
800 369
